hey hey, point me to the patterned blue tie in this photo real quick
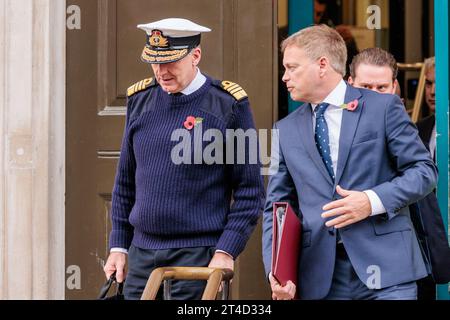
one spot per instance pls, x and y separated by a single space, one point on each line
322 138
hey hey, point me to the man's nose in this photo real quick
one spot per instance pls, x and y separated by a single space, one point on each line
163 67
285 77
160 69
433 89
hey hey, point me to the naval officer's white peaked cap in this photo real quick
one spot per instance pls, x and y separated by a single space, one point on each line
174 27
170 40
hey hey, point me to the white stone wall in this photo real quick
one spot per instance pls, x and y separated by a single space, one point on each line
32 148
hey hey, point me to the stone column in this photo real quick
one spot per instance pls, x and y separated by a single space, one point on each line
32 148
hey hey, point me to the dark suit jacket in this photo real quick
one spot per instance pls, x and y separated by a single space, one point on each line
430 230
425 127
427 220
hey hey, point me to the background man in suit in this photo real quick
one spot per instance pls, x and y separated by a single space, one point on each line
376 69
427 126
427 132
350 160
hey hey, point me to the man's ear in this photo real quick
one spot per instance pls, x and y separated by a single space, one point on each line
350 80
196 55
324 64
397 90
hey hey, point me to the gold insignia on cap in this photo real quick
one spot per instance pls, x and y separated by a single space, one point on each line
153 56
139 86
234 89
158 40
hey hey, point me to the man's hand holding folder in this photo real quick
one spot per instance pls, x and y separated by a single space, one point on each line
285 252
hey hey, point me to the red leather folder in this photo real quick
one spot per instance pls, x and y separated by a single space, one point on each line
285 244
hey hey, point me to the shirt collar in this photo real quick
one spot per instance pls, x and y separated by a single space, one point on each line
195 84
336 97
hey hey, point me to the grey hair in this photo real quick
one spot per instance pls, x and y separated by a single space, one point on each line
430 63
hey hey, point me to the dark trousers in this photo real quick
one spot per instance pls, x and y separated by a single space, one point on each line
141 262
346 284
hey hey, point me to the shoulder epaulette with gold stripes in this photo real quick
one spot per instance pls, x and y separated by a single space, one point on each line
234 89
139 86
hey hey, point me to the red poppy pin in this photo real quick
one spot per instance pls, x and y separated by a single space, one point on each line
191 122
351 106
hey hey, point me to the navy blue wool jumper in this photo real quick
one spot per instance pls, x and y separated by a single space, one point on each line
157 204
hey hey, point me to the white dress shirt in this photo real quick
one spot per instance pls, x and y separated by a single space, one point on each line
432 144
195 84
333 117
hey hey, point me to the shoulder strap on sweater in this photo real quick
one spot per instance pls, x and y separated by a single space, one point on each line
141 85
233 89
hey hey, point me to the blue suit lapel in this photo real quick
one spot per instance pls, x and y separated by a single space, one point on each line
350 120
307 137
